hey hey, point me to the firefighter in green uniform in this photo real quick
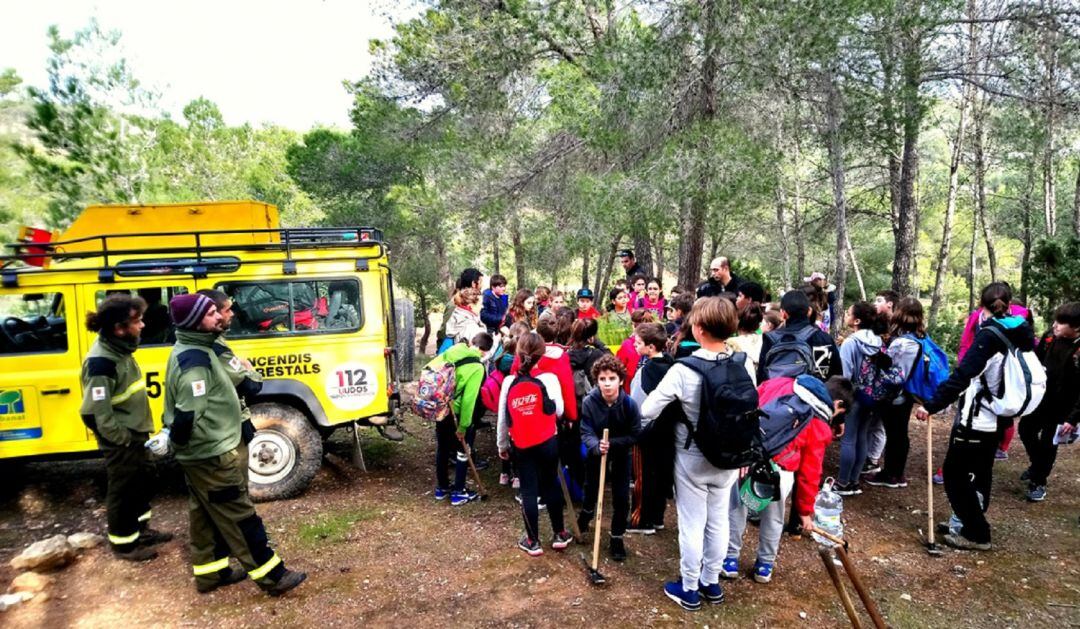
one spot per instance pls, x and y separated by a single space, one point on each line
247 381
202 415
116 409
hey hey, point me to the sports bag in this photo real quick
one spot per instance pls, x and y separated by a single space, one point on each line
435 389
786 414
727 424
790 355
530 412
1023 381
930 370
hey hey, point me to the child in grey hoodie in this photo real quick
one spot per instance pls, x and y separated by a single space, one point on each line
863 345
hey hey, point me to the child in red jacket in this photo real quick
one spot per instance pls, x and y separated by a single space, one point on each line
799 462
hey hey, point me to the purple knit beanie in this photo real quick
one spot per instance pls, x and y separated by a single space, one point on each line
188 310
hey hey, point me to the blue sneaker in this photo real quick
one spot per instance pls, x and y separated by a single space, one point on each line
762 572
730 568
712 593
1036 493
459 498
441 494
688 600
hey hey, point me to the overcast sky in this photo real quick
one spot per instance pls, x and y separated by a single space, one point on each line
278 61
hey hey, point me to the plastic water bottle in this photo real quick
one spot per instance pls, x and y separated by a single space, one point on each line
828 506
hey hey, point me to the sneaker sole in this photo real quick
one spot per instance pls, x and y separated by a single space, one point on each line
530 552
681 603
641 531
854 492
730 576
712 600
761 579
1030 499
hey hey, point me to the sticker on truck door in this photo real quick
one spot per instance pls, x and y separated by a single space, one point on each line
351 386
15 422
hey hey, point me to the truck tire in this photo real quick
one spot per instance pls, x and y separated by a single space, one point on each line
405 339
285 453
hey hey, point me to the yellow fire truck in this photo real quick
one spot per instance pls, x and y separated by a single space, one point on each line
315 314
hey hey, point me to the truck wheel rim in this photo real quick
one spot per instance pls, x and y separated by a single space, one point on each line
272 457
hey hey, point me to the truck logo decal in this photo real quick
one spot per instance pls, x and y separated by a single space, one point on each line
15 424
351 386
11 403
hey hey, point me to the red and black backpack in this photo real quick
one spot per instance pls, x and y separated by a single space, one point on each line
530 412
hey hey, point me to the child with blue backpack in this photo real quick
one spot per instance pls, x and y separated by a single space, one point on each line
798 450
907 337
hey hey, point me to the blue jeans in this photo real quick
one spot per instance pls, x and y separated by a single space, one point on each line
853 443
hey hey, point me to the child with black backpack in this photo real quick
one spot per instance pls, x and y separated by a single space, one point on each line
608 406
456 430
717 395
528 410
785 352
798 451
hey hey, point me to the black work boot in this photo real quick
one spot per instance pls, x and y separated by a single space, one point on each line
152 537
139 553
288 581
229 576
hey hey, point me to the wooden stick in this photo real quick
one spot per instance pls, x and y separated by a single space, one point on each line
860 588
930 482
599 508
829 536
569 505
826 558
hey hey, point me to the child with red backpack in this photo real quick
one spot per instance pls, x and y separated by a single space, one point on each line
607 406
454 431
798 450
529 407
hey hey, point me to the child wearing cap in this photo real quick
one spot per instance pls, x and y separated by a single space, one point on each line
586 310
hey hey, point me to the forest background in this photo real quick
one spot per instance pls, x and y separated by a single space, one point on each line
928 146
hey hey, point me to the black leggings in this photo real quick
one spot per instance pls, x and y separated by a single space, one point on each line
897 442
1037 433
537 470
969 474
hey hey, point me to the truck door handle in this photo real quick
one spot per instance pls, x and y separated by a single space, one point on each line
63 391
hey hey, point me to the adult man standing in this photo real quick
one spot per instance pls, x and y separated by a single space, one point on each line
721 279
203 417
115 408
630 264
243 376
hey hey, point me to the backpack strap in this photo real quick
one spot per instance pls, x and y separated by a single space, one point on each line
691 363
468 360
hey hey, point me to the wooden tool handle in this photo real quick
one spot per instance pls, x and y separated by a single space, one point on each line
845 598
930 481
860 589
599 507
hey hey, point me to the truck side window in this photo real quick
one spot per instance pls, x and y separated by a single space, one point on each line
294 307
33 323
158 328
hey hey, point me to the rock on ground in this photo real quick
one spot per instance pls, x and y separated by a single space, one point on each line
84 540
8 601
54 552
30 582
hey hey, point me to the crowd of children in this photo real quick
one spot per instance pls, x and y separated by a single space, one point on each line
696 391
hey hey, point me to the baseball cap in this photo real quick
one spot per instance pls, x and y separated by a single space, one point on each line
626 253
816 275
585 293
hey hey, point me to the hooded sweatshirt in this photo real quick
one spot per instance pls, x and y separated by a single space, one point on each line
903 350
857 348
622 419
1061 357
463 325
467 381
983 359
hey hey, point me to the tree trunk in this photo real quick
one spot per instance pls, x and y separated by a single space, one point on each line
855 268
1076 203
978 149
496 258
972 259
658 245
584 271
642 250
1048 43
422 349
1026 209
954 173
604 272
600 273
833 110
781 204
912 120
519 249
797 222
694 230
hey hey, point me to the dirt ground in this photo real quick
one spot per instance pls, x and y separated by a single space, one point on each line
380 551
